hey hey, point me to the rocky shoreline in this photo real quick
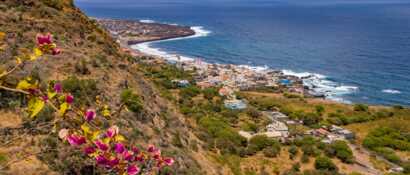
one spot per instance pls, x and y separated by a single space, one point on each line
134 32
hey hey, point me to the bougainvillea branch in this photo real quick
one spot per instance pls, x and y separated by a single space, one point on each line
107 147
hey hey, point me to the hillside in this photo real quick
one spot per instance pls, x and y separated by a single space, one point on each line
90 64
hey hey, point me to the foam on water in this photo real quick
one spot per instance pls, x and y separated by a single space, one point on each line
391 91
319 84
147 21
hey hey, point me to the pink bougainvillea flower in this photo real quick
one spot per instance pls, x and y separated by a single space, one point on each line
44 39
102 146
75 140
89 115
114 162
119 148
112 131
69 99
127 155
89 150
58 88
168 161
132 170
135 150
45 98
157 154
140 158
151 148
63 133
101 160
56 51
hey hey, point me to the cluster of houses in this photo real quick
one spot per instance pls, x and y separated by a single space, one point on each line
279 128
332 133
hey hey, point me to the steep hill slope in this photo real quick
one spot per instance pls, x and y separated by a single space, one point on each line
92 65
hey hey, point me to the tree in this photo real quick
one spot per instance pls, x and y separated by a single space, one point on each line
341 150
324 163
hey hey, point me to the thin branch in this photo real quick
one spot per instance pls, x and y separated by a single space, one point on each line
11 71
14 90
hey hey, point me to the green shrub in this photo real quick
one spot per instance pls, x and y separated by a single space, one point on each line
361 107
210 93
293 151
262 141
341 150
272 151
131 100
324 163
84 90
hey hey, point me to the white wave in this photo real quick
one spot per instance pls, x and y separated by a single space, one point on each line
319 84
147 21
391 91
148 49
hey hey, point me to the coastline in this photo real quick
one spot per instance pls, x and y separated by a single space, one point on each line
307 84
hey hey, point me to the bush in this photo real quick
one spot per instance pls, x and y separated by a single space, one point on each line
84 90
324 163
262 141
341 150
189 92
293 151
210 93
131 100
361 107
272 151
320 109
311 119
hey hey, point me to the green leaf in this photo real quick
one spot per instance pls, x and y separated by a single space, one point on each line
63 108
35 106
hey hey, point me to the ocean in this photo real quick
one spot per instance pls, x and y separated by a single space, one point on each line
358 51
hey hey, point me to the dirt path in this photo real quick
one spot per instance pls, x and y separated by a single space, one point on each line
363 163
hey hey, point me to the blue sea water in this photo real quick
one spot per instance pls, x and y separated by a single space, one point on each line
354 43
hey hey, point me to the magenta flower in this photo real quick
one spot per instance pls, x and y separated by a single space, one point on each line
114 162
44 98
112 131
89 150
127 155
132 170
119 148
69 99
58 88
168 161
139 158
75 140
56 51
89 115
44 39
157 155
151 148
101 160
102 146
135 150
